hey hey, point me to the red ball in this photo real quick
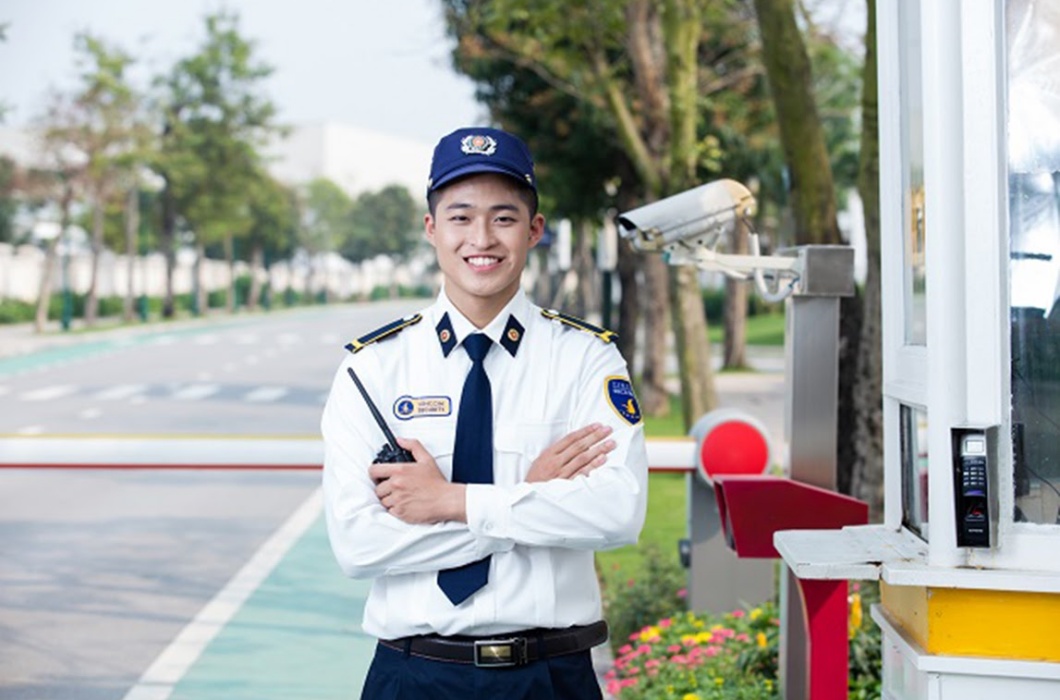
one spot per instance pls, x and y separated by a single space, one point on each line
734 447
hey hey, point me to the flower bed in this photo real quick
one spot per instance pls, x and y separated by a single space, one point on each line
699 656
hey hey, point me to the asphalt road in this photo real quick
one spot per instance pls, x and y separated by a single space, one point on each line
264 374
100 570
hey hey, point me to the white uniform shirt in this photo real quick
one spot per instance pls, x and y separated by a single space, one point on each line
541 535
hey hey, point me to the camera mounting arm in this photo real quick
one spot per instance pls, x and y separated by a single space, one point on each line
688 227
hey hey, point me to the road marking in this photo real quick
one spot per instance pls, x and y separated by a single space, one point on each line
265 394
246 339
206 340
30 430
49 392
159 680
121 391
194 392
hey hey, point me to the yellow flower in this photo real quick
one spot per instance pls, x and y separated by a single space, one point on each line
755 613
704 638
690 696
855 614
719 681
761 640
649 634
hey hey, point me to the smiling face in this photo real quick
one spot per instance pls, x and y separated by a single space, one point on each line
482 230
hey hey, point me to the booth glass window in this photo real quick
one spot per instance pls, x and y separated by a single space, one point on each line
1033 63
914 438
912 135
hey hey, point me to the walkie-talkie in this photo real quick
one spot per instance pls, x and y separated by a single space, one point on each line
391 451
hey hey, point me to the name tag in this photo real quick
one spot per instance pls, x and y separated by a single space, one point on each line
408 407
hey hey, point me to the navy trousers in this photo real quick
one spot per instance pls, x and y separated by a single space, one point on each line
395 675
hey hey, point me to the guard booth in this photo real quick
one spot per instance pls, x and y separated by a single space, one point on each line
968 555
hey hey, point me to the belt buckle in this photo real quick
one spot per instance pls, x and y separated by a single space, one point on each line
500 653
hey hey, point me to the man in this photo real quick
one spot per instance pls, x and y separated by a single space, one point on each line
527 455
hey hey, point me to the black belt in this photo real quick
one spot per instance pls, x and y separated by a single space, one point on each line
511 649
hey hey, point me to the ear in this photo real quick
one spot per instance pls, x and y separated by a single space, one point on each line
428 228
537 229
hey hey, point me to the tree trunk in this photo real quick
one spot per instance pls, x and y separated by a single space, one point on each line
230 291
867 471
168 242
585 266
132 225
736 293
257 270
629 303
654 398
44 291
801 134
92 298
201 298
693 346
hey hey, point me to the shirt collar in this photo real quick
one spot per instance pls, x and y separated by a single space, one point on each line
506 329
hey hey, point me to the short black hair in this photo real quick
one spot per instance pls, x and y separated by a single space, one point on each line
527 194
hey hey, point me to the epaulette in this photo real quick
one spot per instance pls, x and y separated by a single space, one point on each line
575 322
384 332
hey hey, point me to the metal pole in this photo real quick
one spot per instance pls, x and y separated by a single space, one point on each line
811 349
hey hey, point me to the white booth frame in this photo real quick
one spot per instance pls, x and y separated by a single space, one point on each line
961 375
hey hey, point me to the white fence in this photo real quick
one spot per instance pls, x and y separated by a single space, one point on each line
21 269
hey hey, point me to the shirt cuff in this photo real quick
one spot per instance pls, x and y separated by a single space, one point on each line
489 515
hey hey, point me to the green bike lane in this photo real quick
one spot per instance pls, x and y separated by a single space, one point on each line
296 637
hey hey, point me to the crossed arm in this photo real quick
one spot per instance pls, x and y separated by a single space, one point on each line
418 493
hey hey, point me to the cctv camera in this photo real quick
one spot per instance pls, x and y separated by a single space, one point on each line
702 216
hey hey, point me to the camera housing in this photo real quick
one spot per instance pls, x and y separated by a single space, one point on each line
704 216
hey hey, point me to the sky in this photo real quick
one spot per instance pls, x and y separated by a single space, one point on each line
381 65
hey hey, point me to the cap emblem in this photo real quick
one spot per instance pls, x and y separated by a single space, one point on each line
477 144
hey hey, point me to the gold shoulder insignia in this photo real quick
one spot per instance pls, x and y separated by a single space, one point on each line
382 333
574 322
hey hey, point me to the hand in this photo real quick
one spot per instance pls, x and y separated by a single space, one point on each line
417 492
578 452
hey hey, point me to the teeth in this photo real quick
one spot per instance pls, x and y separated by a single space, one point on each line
480 261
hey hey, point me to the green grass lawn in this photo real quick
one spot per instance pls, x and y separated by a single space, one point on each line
763 329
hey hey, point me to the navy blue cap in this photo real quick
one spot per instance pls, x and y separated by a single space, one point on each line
481 150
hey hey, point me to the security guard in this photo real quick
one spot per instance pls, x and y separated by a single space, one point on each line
527 455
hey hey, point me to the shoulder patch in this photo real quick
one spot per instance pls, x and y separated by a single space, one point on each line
619 393
574 322
383 333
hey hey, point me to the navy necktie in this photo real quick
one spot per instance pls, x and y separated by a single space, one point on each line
472 459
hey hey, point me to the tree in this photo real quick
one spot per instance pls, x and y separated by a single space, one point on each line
387 222
812 190
273 210
814 204
59 182
325 223
8 204
214 121
100 123
638 62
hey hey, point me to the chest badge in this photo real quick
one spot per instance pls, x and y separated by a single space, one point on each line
619 392
408 407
